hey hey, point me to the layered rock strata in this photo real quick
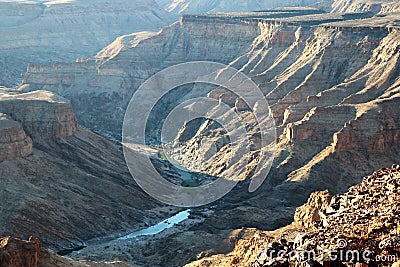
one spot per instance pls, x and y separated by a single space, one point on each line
198 7
43 114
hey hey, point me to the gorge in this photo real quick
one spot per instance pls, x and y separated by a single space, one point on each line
332 81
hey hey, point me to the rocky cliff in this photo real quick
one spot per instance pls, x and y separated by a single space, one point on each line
45 32
43 114
14 142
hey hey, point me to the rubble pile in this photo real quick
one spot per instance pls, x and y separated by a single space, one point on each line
361 226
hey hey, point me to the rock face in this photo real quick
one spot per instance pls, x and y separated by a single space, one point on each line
42 113
14 142
16 252
45 32
314 210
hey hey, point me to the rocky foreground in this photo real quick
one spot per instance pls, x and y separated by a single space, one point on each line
360 226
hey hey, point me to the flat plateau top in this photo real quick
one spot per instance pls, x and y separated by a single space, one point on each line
34 96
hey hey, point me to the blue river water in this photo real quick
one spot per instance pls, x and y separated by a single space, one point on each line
158 228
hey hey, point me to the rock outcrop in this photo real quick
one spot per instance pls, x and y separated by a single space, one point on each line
314 210
14 142
16 252
43 114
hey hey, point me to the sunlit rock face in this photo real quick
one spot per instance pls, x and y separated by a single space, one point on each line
44 32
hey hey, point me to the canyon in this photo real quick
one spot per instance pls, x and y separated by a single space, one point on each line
332 82
309 65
